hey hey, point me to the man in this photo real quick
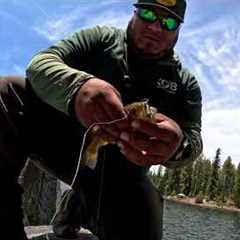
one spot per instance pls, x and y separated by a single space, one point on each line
89 78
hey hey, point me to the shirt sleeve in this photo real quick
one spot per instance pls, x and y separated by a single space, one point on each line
190 122
56 73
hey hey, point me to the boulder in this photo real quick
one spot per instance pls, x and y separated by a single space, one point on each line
40 195
181 195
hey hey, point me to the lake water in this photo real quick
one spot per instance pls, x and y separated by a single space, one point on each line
187 222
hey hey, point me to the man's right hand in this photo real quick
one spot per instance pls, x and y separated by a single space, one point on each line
98 101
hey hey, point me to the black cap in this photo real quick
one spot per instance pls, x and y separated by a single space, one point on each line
175 7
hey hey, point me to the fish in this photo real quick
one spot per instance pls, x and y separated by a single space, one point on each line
96 140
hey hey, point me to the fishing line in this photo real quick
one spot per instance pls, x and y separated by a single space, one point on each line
5 111
59 205
84 139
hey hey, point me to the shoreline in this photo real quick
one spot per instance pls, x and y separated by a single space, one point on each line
191 201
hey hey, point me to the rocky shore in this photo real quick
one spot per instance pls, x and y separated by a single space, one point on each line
40 232
204 204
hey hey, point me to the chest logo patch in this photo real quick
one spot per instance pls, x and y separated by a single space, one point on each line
166 85
168 3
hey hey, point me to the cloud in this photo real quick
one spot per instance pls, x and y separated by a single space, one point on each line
19 70
215 59
221 130
110 19
211 51
83 16
55 28
109 2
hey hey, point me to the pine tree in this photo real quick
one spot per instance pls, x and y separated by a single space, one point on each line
158 177
163 180
237 187
174 181
213 187
155 177
163 185
167 180
186 179
197 176
220 198
201 175
206 173
228 178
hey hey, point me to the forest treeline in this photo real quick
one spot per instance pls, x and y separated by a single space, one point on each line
204 179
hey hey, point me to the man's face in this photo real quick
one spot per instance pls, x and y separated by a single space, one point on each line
149 38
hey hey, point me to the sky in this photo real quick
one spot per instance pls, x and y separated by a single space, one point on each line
208 46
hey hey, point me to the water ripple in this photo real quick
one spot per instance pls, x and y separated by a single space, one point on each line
186 222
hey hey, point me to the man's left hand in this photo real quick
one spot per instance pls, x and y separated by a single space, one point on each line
151 143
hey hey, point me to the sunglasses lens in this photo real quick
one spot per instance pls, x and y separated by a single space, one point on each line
170 23
147 15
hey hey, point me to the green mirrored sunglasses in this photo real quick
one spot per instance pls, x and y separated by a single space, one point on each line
166 22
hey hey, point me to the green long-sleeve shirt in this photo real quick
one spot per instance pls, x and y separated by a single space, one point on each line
59 71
